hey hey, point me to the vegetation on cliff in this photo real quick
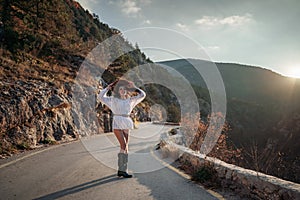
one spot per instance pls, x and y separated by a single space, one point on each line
43 44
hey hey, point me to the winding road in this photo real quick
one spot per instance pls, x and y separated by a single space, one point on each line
86 169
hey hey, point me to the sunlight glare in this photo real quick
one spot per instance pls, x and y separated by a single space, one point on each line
294 72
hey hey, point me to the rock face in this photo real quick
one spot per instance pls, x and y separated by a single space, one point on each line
32 113
37 110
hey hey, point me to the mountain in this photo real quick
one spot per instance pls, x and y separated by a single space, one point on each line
263 113
43 45
249 83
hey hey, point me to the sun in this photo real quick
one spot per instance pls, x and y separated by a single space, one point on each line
294 72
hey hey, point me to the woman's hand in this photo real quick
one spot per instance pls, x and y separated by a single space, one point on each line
110 86
131 85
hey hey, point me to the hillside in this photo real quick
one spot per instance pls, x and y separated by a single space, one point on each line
43 44
262 112
47 95
249 83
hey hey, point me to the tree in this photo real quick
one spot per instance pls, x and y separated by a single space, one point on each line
9 36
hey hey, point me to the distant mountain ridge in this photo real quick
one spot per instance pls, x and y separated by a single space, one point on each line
247 83
263 112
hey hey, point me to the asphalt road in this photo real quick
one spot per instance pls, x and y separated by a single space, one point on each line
87 170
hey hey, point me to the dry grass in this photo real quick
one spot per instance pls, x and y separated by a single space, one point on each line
33 69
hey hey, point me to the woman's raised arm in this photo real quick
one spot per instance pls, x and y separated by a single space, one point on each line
102 96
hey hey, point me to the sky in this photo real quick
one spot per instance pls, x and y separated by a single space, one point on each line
252 32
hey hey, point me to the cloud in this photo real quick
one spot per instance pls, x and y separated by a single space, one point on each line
182 26
129 7
147 22
213 48
234 20
132 8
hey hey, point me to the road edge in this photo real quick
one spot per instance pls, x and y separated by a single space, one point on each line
186 176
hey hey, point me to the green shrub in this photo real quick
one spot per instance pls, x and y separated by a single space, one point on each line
204 174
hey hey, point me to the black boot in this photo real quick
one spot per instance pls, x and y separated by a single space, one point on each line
122 163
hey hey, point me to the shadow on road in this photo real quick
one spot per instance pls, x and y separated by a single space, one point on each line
79 188
164 183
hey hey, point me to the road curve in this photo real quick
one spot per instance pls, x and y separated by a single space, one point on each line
86 170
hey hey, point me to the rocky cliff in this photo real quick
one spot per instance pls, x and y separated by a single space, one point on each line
43 44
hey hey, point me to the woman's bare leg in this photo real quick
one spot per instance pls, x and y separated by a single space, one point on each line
122 140
122 136
126 136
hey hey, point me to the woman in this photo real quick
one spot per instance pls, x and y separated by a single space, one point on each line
121 104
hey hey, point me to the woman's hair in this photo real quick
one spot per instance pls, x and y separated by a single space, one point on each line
118 84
